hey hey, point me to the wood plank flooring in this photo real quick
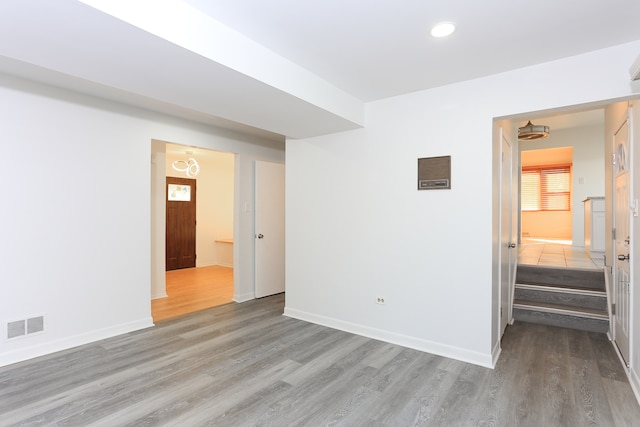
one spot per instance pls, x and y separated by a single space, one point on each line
193 289
247 365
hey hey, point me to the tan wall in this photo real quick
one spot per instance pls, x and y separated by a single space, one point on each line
555 224
548 156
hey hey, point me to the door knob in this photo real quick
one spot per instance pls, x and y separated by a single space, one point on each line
260 236
623 257
511 245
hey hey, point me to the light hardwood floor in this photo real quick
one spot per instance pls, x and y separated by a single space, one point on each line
193 289
246 364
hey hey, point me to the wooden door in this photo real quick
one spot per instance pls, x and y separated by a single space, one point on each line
181 223
621 270
269 229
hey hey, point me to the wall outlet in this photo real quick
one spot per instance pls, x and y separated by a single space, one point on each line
381 300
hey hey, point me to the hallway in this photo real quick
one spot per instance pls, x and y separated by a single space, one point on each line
193 289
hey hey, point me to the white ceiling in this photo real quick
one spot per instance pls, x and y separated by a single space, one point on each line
375 49
290 67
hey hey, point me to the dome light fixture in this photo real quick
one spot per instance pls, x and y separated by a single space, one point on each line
531 132
443 29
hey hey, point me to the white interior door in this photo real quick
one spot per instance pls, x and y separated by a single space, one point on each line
507 245
269 228
622 224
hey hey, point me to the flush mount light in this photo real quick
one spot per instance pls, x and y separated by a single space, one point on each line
531 132
443 29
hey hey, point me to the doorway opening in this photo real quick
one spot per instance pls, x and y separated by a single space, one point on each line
205 281
562 170
576 142
546 190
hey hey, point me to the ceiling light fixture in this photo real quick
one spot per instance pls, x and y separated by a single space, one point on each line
530 132
443 29
190 167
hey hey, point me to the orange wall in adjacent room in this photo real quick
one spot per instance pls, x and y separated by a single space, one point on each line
555 225
549 224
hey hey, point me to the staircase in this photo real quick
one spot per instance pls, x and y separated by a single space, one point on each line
568 298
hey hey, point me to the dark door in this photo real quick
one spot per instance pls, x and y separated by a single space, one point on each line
181 223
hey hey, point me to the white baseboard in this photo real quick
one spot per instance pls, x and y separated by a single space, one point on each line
161 295
42 349
495 354
222 264
464 355
244 297
634 380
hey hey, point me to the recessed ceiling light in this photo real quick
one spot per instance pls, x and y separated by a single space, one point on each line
443 29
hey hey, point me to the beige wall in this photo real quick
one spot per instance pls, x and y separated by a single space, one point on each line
214 209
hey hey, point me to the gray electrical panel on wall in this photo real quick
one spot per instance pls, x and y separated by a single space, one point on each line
434 173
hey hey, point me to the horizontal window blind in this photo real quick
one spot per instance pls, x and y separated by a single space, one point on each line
546 188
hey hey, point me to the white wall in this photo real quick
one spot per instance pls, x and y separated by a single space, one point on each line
214 203
158 219
357 227
76 226
587 171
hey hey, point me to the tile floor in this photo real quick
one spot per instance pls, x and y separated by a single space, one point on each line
556 253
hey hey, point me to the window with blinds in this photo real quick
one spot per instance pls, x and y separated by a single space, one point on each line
546 188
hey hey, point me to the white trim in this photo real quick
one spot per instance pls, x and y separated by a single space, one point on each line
244 297
634 71
632 375
27 353
607 286
464 355
161 295
495 354
634 381
558 289
221 264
